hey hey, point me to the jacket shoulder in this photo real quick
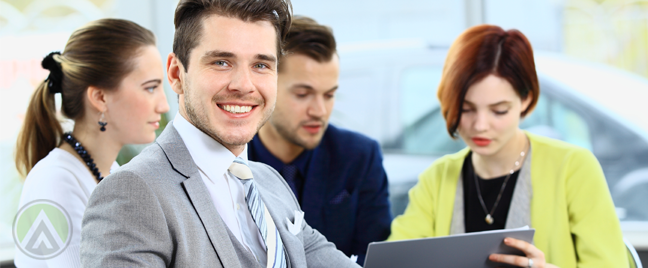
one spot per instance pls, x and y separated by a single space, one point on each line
347 140
150 158
151 166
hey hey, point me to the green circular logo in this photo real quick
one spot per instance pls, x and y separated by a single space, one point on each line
42 229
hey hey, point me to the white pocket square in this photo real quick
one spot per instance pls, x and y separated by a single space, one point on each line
296 227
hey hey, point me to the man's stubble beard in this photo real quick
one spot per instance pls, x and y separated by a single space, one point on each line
290 135
201 122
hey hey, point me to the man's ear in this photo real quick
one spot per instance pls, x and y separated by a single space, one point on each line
97 98
175 73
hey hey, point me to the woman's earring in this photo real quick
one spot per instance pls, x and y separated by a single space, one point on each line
102 123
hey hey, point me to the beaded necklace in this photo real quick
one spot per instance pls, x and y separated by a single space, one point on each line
83 154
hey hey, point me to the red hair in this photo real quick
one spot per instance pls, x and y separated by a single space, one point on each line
481 51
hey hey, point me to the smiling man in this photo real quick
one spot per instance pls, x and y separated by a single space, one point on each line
192 199
336 175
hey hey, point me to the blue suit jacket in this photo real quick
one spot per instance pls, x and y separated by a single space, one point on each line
345 192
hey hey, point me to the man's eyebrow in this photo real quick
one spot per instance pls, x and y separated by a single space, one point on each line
218 54
304 86
266 57
333 89
226 54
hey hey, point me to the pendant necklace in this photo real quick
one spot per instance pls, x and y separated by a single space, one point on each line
489 218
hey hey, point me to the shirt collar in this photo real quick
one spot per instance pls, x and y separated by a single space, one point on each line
261 154
208 154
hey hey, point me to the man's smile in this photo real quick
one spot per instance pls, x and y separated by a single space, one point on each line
236 109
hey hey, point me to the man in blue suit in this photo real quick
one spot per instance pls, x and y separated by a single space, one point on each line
336 175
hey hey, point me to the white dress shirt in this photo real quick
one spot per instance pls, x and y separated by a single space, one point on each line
227 192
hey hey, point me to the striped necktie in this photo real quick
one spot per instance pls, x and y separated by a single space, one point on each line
260 214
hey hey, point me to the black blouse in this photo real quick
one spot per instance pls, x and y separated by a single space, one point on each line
474 214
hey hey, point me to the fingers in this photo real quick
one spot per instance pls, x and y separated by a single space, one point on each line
529 250
510 259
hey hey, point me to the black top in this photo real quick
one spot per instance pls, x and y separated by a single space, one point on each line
474 214
295 172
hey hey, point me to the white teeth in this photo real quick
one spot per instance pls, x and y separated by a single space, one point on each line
237 109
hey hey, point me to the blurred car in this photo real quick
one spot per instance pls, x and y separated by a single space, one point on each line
388 92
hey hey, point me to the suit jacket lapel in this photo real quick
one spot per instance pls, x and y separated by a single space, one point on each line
289 240
211 220
246 257
272 199
181 161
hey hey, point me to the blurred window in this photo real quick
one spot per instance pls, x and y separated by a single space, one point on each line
425 131
418 92
425 128
552 118
358 90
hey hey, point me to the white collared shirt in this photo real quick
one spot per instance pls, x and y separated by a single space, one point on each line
227 192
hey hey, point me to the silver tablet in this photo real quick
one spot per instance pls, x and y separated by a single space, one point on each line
461 251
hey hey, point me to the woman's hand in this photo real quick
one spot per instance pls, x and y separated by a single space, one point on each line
534 257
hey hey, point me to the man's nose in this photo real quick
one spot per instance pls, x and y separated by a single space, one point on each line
241 80
317 107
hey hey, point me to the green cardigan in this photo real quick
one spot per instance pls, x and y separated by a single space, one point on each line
571 208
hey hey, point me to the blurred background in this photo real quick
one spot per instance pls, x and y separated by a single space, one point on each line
591 57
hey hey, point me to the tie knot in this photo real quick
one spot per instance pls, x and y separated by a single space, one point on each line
240 169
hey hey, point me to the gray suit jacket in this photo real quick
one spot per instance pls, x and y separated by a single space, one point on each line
156 212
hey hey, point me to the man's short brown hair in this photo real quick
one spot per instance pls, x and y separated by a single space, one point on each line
190 14
309 38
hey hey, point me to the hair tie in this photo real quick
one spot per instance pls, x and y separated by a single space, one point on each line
55 76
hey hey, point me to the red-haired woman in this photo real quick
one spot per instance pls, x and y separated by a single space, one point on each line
507 177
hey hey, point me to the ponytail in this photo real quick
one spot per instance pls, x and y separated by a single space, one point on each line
99 54
41 130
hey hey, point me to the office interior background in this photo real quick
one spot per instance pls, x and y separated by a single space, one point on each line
592 56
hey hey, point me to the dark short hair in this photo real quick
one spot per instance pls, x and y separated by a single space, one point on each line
190 14
481 51
309 38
